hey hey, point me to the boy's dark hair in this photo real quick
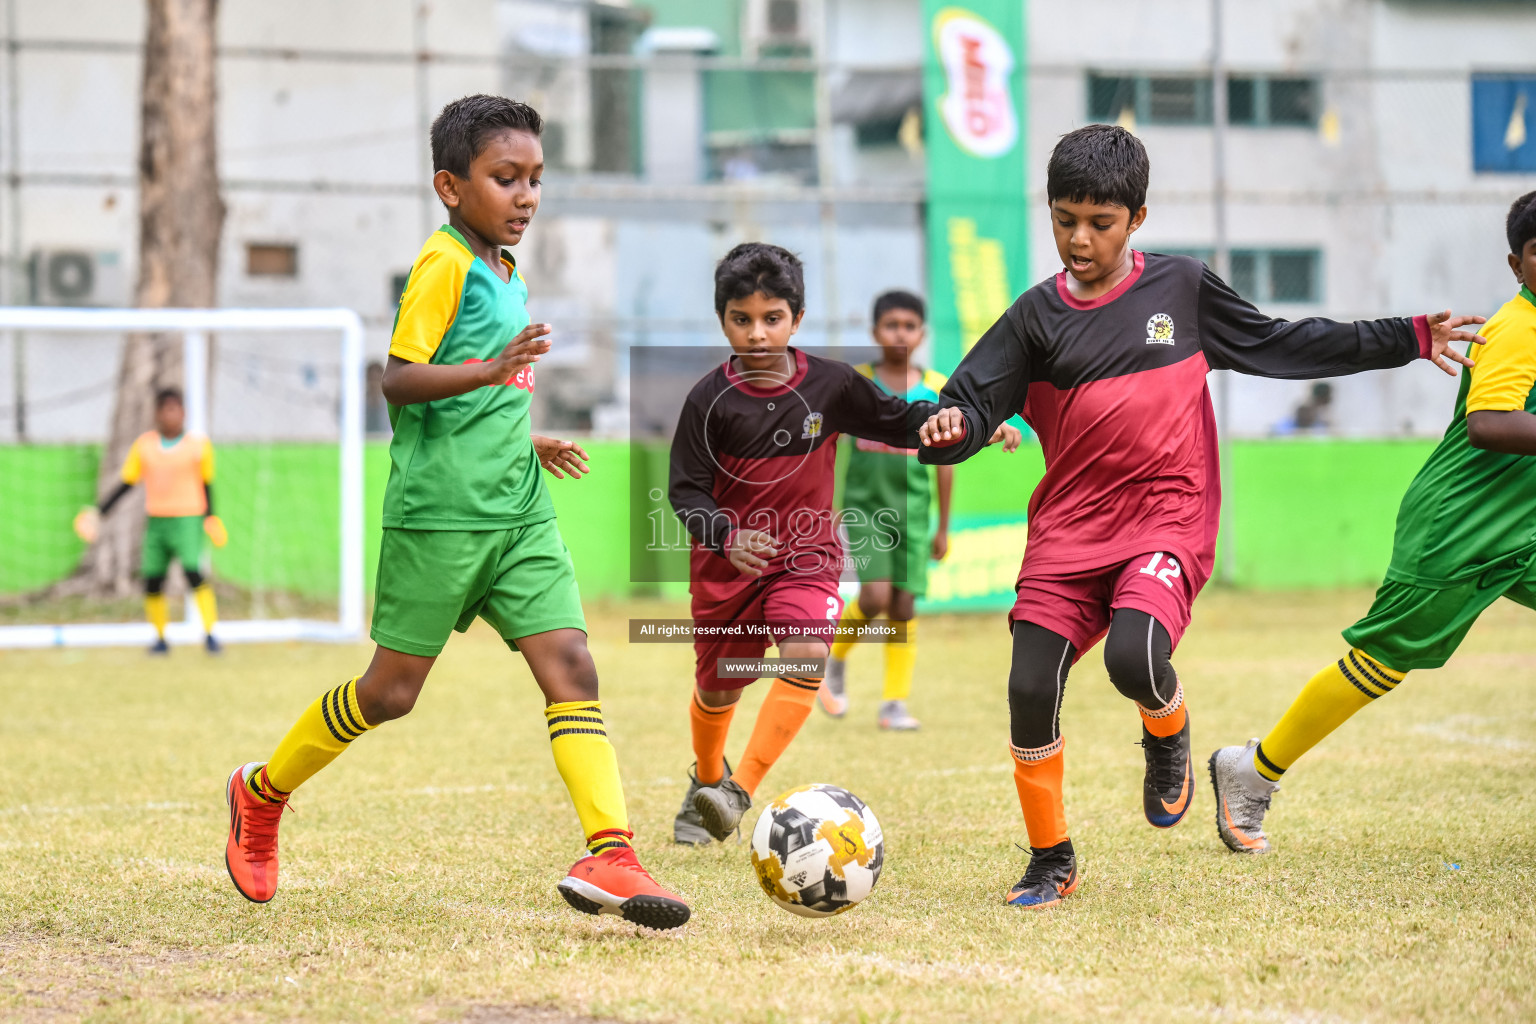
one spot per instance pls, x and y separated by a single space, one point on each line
898 299
1099 163
462 129
1520 226
168 395
759 267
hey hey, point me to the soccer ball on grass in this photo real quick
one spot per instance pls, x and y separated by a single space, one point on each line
817 850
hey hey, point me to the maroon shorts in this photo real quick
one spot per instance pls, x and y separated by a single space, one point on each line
1079 605
763 615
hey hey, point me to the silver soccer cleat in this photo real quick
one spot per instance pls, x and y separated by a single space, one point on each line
833 694
1242 797
688 828
720 807
895 717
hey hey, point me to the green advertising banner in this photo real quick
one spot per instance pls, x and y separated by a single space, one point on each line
973 95
978 256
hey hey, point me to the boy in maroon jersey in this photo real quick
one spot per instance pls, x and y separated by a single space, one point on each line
1107 362
751 478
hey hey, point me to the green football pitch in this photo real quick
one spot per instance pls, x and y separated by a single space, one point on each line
419 871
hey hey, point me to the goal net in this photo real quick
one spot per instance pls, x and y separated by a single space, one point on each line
280 395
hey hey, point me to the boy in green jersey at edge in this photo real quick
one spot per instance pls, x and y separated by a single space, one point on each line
1466 536
887 497
469 528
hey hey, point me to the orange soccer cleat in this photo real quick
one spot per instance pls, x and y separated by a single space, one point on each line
250 854
613 882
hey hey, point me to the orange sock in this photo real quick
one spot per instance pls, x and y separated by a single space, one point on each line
1169 718
1037 775
784 711
710 727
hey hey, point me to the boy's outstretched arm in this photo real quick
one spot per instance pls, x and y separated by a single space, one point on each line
1236 336
407 382
990 385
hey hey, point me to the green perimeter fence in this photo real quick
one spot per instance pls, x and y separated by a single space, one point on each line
1290 530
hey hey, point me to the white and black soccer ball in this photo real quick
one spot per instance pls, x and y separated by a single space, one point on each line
817 850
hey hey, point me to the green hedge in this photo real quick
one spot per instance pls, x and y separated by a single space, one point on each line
1303 513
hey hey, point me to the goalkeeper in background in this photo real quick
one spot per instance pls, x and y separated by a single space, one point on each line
177 471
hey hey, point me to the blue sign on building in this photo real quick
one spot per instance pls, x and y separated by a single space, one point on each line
1504 124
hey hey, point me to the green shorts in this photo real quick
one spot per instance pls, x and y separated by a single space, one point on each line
432 582
1411 627
168 537
904 564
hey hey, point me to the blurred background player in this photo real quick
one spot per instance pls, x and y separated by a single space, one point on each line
752 470
1108 363
887 502
177 471
1464 539
469 528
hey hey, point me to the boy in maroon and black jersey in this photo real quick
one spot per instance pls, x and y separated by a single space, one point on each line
1107 362
751 478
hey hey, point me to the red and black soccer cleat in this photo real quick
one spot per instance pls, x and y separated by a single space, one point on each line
250 853
613 882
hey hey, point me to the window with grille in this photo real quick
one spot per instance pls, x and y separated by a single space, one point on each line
1262 101
1268 275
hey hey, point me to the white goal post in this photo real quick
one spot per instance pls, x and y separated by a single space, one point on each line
194 326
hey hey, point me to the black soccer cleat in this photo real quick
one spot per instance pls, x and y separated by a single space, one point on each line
1052 874
1169 784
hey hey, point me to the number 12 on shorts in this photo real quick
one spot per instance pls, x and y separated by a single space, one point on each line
1169 572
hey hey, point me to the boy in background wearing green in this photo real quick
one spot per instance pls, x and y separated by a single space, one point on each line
887 501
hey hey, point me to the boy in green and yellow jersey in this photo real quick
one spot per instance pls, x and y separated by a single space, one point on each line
887 503
1466 536
469 528
176 469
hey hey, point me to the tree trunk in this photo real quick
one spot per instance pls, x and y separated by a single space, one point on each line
181 216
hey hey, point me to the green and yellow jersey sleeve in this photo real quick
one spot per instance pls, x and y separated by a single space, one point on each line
431 299
1506 366
205 461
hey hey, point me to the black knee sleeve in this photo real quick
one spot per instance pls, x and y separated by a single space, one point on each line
1041 660
1136 653
194 578
154 584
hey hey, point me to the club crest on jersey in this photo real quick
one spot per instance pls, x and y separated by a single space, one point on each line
1160 330
812 427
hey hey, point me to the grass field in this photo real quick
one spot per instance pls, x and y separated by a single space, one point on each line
419 871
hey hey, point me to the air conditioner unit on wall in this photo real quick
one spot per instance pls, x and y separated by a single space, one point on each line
77 277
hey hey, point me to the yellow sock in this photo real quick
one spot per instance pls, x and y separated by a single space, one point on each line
321 733
1324 704
207 606
900 658
156 612
587 763
848 631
